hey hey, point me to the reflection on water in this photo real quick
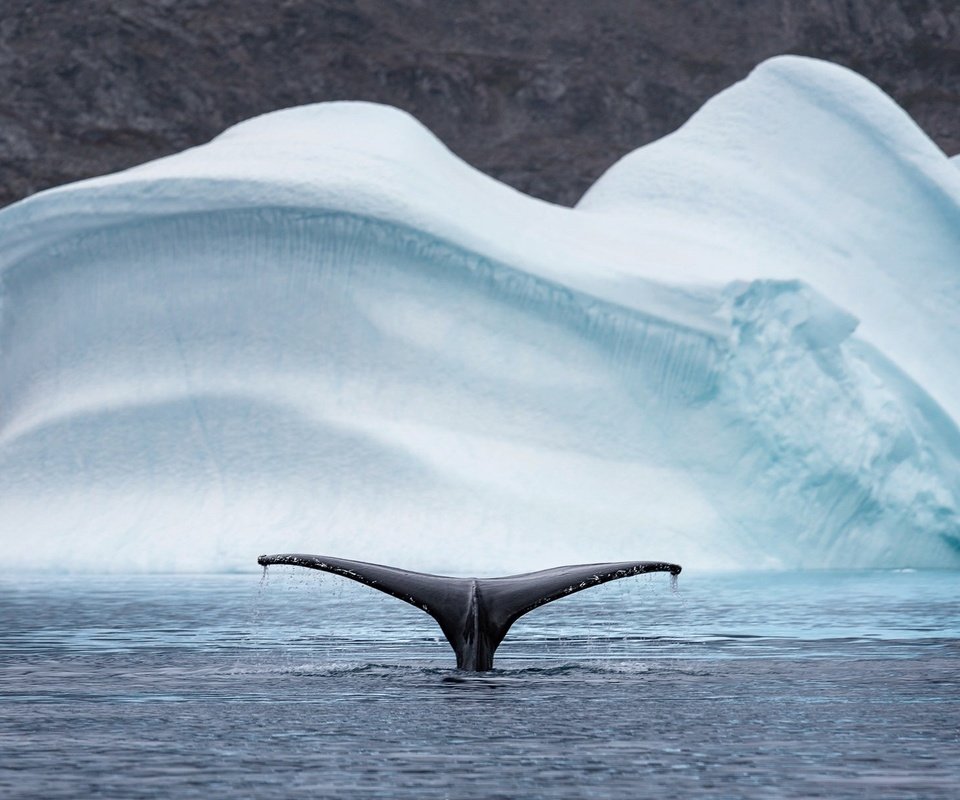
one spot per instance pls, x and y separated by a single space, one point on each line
303 684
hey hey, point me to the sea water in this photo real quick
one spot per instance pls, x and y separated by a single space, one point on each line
298 684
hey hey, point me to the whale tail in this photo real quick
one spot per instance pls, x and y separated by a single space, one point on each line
474 613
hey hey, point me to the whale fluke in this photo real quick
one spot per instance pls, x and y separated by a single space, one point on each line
474 613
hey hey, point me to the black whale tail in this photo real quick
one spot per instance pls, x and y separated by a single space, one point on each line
474 613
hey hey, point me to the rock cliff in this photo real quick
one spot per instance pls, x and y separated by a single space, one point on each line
543 94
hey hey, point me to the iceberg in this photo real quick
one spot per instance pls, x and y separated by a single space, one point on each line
322 331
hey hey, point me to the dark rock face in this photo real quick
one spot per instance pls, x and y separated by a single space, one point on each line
543 94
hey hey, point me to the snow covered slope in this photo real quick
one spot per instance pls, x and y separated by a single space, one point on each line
324 332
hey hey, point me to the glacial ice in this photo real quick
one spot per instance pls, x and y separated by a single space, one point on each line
324 332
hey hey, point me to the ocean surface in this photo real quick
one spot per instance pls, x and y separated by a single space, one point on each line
299 684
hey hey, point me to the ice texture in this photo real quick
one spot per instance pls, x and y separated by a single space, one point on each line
324 332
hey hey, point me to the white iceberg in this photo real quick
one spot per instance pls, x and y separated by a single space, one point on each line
324 332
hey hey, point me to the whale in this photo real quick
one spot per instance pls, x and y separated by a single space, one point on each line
474 613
